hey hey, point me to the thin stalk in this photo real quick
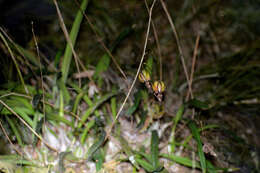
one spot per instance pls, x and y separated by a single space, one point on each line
38 54
138 70
178 45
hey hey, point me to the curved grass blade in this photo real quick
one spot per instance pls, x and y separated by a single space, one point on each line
186 141
54 117
196 135
23 113
15 130
144 164
76 103
86 130
176 119
96 145
95 106
79 90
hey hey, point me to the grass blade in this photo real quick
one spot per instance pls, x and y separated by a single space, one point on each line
95 106
180 160
212 126
155 149
132 109
144 164
73 36
113 107
176 119
196 135
15 130
86 130
96 145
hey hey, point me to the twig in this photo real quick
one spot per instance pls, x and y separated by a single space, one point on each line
207 76
38 54
195 52
192 71
139 68
63 27
157 43
178 44
103 45
27 125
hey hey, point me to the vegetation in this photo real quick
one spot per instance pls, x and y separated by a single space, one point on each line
134 86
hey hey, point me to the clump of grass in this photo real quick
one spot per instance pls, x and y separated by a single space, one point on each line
82 120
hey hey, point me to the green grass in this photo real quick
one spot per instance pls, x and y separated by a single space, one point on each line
62 123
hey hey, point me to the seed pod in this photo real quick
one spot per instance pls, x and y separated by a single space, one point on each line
158 87
144 76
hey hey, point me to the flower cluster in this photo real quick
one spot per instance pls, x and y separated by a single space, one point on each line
157 88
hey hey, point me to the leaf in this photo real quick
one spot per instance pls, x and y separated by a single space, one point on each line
23 112
15 130
92 108
146 156
96 145
137 100
181 160
176 119
198 104
113 107
77 101
36 100
57 59
144 164
196 135
149 65
186 141
64 93
102 65
99 158
54 117
73 36
86 130
210 167
155 149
